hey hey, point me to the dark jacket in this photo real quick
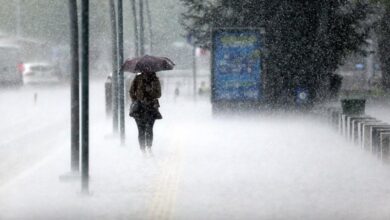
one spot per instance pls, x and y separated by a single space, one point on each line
146 89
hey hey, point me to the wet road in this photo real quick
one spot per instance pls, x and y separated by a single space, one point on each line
259 167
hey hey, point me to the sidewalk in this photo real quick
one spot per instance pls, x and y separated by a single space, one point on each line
124 184
229 168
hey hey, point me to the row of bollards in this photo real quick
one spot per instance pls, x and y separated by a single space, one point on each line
367 132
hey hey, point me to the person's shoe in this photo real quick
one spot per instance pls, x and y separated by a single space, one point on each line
150 152
143 150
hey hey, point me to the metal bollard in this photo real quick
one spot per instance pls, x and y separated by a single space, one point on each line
360 127
343 128
367 134
108 92
385 147
355 128
375 137
350 125
35 98
335 118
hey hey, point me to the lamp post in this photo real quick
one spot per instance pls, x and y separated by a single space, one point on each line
141 28
369 64
85 96
150 28
114 38
18 18
135 23
74 92
191 41
120 73
194 70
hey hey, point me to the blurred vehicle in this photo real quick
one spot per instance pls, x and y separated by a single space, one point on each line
9 64
40 72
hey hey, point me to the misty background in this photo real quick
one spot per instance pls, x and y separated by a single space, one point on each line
46 23
273 165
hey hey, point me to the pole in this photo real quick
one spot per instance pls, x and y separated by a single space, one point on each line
136 33
194 69
114 36
148 13
370 64
141 28
75 89
18 18
85 96
108 96
121 78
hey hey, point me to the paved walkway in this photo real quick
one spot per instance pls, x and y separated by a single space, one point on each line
264 167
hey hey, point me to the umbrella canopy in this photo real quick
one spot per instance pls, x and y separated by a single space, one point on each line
147 64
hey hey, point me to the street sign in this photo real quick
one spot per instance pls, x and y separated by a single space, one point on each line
236 65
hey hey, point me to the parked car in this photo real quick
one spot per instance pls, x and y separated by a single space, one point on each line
40 72
9 63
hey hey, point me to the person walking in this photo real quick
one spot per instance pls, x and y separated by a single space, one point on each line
145 90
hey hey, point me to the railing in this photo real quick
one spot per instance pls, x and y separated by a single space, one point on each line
364 131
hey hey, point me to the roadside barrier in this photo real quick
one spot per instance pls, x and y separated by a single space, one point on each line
365 131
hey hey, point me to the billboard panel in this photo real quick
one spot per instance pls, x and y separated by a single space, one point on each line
236 65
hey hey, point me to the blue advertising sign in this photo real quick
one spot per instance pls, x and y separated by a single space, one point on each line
236 65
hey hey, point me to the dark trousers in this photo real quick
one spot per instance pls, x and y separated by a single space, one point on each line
145 132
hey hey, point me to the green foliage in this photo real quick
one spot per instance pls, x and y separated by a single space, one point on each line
307 40
383 34
382 2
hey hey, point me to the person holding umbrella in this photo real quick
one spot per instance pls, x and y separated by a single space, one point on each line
145 90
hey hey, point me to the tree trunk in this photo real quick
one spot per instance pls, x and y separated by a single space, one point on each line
384 48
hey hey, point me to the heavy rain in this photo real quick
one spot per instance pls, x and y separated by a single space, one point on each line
187 109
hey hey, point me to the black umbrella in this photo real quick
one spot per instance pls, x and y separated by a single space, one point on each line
147 64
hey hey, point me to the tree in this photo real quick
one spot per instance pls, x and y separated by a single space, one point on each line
307 40
383 33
